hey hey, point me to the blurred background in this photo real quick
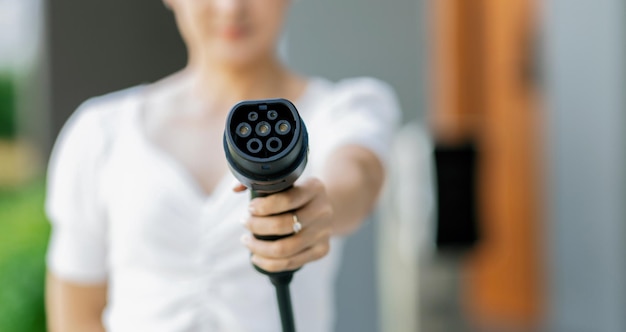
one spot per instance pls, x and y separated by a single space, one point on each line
505 209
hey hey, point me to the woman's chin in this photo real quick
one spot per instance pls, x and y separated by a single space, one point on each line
238 57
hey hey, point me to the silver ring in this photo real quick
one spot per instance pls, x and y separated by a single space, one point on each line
297 226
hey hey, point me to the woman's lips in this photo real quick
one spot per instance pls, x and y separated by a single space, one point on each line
233 32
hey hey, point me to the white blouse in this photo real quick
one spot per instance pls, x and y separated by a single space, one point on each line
126 213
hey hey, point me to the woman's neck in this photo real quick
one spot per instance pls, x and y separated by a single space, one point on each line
219 84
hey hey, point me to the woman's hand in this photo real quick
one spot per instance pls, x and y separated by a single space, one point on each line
273 215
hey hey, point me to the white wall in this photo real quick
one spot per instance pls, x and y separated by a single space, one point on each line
586 82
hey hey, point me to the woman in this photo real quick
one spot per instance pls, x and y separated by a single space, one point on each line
145 212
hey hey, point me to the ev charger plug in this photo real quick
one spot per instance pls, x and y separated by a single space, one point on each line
266 146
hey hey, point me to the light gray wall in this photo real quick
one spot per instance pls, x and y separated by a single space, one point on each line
339 39
586 83
384 39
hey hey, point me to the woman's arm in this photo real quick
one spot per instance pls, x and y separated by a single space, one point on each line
71 307
353 177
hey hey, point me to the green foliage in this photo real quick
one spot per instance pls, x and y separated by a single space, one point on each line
8 121
23 239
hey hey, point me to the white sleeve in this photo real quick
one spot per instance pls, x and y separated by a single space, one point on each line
77 247
359 111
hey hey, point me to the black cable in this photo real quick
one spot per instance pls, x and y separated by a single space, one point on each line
281 283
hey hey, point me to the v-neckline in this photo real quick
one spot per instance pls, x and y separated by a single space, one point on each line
176 166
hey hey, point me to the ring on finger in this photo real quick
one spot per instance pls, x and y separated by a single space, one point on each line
297 226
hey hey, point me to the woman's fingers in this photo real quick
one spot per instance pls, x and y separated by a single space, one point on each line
288 246
282 224
287 200
239 188
310 254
